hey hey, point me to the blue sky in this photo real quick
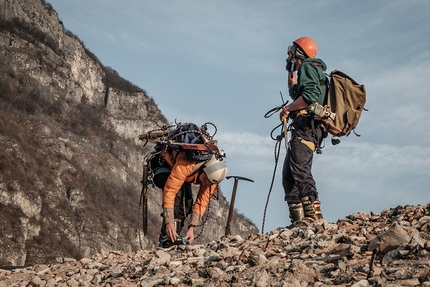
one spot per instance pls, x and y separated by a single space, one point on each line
224 62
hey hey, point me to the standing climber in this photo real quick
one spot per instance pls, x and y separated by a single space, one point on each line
184 172
306 84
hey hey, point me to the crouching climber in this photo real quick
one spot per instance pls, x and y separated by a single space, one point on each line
177 193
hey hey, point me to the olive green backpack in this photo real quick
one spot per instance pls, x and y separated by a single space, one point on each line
345 103
346 98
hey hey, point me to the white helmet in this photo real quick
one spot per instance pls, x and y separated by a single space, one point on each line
215 170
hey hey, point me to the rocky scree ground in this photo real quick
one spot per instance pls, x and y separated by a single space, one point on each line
326 254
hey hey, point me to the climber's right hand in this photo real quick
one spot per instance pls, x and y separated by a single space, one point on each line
171 231
284 113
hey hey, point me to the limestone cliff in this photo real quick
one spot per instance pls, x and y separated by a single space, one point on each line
70 159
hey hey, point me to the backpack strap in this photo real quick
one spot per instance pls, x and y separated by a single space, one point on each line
317 64
197 167
174 155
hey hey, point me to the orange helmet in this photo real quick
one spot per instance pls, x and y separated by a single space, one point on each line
308 45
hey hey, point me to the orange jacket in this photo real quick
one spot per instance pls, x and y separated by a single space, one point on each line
181 173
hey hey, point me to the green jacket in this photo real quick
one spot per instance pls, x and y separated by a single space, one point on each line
311 82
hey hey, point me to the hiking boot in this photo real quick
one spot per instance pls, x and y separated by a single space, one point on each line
312 210
296 212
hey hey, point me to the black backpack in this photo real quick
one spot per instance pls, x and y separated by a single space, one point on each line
190 133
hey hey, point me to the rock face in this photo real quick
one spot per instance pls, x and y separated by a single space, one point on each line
70 159
325 254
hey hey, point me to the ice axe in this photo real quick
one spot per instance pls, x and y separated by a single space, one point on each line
233 197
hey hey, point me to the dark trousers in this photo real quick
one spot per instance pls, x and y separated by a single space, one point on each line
297 178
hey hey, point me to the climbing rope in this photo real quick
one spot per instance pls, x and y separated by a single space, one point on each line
147 179
202 131
142 206
203 221
277 150
139 217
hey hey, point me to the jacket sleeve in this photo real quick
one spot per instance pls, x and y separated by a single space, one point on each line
309 86
293 92
178 175
203 198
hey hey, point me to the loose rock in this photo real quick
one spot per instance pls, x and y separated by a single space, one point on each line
322 255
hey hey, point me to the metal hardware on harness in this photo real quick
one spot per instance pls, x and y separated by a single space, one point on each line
233 197
321 112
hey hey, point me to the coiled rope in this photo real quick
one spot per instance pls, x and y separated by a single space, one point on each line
277 150
278 139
